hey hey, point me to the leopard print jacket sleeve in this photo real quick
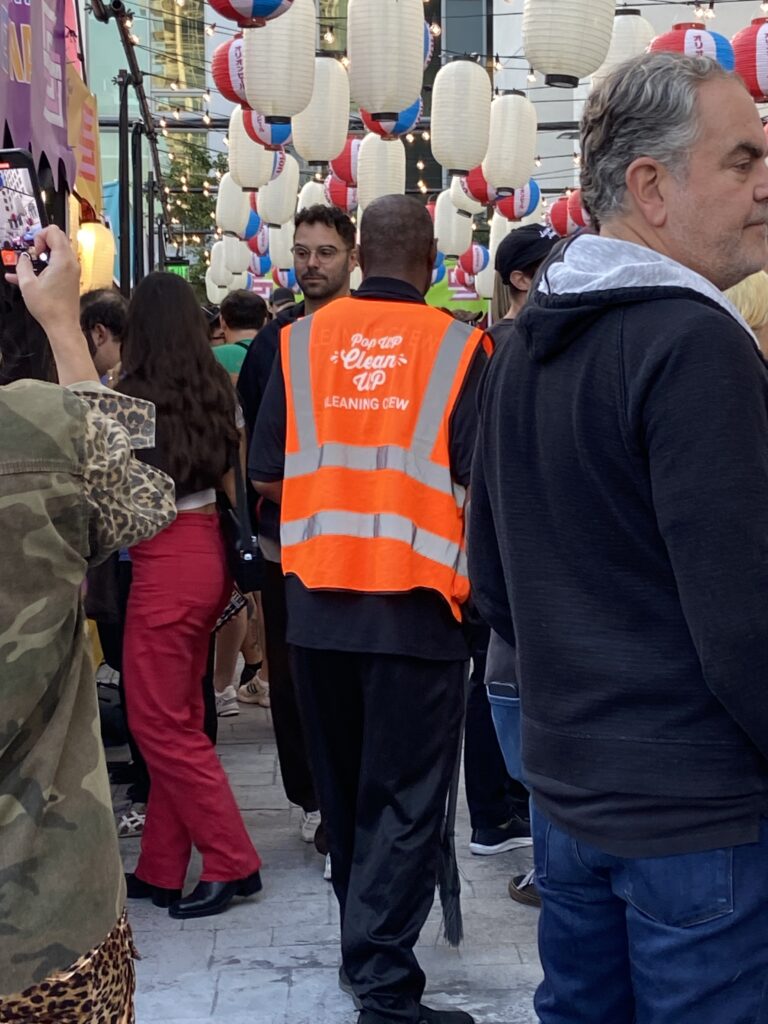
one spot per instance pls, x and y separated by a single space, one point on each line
129 501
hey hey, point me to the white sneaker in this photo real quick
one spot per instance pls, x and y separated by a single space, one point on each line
226 703
309 824
255 692
327 872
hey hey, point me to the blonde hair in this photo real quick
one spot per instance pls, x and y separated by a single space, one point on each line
750 297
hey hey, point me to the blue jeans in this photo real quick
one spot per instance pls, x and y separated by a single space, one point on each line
655 940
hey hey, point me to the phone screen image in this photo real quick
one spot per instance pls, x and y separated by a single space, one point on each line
19 213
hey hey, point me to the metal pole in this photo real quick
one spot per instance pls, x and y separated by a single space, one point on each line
123 81
150 222
138 203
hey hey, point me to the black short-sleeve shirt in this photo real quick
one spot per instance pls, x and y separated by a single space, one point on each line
417 624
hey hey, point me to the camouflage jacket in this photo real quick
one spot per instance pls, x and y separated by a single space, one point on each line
70 494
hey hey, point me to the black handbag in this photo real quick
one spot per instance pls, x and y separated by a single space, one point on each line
243 552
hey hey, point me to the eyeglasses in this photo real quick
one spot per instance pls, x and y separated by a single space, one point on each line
324 253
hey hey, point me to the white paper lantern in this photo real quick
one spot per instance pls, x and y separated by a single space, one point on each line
500 227
461 199
320 130
279 62
220 273
280 245
238 282
233 207
461 115
385 42
380 169
237 255
215 293
453 228
511 156
632 34
249 163
567 39
312 194
277 200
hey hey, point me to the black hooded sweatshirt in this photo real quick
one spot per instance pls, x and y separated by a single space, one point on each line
619 536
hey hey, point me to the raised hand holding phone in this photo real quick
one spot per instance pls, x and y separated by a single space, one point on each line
53 299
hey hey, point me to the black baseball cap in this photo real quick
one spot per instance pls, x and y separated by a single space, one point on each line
523 247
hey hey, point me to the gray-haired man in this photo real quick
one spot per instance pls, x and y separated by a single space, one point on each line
620 521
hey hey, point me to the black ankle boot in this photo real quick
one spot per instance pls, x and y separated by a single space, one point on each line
138 889
208 898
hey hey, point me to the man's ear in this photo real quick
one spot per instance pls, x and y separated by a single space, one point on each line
646 180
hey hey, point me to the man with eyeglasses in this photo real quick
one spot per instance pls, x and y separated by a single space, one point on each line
324 258
365 435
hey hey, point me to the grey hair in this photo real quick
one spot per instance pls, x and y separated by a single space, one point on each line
644 107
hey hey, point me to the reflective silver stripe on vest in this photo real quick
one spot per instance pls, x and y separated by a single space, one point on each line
384 525
301 382
370 459
441 380
415 462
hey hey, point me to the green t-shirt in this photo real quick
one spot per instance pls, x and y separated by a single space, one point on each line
232 357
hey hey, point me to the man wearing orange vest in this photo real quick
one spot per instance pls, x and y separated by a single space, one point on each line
366 432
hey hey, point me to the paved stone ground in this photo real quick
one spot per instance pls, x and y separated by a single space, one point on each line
273 959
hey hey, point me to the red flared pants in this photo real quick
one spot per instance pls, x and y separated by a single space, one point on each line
180 585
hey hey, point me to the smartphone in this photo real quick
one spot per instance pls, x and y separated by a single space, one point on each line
22 213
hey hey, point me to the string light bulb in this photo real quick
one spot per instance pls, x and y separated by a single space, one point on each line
710 11
207 96
206 118
175 86
210 30
435 29
531 75
537 161
329 36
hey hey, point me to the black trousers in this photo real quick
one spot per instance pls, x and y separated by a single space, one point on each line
383 734
492 795
289 731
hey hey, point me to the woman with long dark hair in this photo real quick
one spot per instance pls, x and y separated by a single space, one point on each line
180 586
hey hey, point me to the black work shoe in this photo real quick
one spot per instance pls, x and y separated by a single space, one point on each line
429 1016
138 889
522 889
510 836
346 987
208 898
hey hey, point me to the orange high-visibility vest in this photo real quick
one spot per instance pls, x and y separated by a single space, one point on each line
369 504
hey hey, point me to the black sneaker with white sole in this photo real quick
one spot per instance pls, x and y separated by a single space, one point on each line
512 835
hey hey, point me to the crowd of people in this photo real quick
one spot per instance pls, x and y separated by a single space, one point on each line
568 508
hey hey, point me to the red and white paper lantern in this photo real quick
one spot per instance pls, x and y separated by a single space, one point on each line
694 40
259 243
338 193
750 47
250 165
227 71
267 134
461 198
344 166
476 186
576 212
396 126
560 219
459 278
522 203
250 13
474 260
